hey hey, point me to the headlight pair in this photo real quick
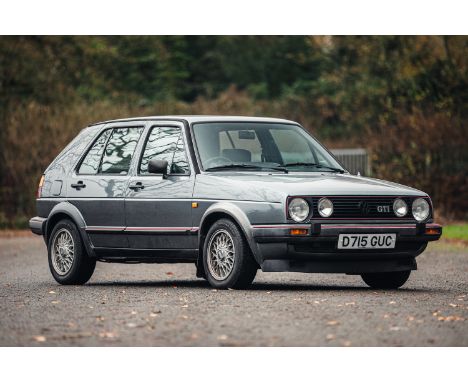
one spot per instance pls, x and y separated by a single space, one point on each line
299 209
420 208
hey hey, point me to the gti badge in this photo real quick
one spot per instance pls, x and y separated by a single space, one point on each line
383 209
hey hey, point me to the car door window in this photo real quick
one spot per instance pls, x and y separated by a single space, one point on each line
90 163
165 143
119 150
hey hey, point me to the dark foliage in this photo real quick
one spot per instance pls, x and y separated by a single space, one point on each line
402 97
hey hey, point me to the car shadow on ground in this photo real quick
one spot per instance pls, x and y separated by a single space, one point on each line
257 286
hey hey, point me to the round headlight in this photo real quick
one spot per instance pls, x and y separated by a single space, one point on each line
325 207
420 209
298 209
400 208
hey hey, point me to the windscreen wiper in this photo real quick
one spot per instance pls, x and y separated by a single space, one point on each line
246 166
316 165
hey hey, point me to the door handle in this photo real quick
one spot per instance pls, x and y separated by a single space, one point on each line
78 185
137 186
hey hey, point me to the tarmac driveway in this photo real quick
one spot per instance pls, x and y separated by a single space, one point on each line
166 305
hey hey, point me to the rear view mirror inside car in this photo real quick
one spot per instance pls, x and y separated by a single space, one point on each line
245 134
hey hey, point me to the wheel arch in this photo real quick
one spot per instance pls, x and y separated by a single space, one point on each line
66 210
230 211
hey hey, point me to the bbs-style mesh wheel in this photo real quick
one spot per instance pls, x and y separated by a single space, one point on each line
221 254
227 259
68 261
62 251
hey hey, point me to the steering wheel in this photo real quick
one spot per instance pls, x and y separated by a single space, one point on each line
217 161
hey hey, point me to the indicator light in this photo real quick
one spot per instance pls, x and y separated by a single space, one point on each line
297 231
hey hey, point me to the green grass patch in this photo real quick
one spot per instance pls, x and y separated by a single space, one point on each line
458 231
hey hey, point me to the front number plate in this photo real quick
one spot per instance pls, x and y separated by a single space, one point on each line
367 241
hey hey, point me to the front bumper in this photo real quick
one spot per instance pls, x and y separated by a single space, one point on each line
317 250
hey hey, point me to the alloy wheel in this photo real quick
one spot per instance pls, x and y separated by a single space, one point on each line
63 251
221 255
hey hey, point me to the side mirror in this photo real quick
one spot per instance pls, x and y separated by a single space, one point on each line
156 166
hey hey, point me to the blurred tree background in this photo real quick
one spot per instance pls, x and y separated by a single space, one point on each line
402 97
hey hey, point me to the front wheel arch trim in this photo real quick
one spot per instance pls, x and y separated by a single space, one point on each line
229 211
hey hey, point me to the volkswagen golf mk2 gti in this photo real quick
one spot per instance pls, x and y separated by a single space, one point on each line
231 195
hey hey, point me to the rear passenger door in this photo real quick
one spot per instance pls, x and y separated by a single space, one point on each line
158 209
97 186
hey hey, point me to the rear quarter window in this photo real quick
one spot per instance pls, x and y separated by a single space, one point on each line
74 150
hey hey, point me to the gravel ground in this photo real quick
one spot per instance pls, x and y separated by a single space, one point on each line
166 305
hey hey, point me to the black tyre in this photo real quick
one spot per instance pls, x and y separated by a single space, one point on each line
227 260
68 261
386 280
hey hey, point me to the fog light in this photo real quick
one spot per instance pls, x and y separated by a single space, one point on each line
297 231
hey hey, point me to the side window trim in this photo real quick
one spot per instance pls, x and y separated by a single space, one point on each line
104 151
143 147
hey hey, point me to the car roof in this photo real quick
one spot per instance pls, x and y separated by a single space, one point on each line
200 118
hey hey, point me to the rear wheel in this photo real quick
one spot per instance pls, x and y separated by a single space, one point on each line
68 261
227 260
386 280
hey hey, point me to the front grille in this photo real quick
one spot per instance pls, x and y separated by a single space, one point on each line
364 207
361 207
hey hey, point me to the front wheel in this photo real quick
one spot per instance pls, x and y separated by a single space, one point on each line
386 280
227 260
68 261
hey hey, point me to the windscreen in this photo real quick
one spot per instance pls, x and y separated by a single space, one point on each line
263 145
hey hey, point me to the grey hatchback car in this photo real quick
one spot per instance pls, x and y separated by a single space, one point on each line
231 195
